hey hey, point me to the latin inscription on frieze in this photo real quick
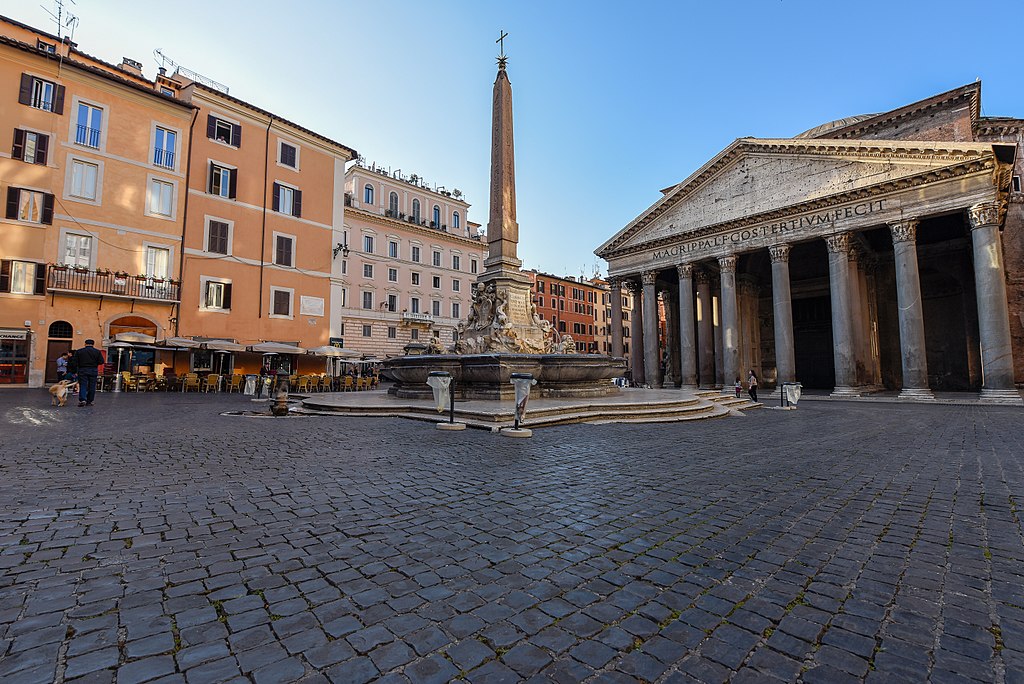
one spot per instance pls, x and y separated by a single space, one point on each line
518 306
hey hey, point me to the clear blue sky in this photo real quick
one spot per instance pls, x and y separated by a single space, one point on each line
613 100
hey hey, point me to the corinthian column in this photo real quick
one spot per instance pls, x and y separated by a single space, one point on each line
636 333
705 329
993 313
842 337
911 311
652 362
857 325
687 335
615 292
782 303
730 323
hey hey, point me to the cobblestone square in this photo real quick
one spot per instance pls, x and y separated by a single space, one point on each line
151 539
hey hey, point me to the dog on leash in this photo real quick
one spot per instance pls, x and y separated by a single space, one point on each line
59 392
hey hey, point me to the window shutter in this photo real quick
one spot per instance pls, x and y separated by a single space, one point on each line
12 202
297 205
47 208
5 276
18 150
233 189
25 93
209 179
206 293
42 145
211 126
58 100
277 198
227 295
40 279
236 135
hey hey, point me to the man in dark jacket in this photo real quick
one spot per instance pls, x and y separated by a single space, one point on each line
86 362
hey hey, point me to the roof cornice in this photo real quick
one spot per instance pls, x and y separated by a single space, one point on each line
432 233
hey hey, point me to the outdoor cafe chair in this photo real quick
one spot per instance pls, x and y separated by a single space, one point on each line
128 382
348 383
212 380
191 382
235 384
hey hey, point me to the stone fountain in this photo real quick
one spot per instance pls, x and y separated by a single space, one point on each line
503 334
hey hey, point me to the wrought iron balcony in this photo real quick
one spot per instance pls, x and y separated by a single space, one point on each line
424 318
164 158
90 137
72 280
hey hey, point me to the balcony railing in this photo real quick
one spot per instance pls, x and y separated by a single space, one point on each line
100 283
90 137
408 317
164 158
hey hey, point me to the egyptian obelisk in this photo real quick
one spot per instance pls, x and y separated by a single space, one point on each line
507 319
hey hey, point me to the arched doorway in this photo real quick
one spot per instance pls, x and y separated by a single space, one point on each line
60 338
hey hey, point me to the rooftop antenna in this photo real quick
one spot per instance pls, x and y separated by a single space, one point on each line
164 61
63 18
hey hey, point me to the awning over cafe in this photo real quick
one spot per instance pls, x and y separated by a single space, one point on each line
224 345
275 348
134 338
336 352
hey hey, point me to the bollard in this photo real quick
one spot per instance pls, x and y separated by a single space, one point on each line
280 405
522 382
442 385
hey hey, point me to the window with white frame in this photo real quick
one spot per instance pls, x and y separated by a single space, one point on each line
472 266
367 330
30 146
393 275
88 125
284 250
218 239
367 300
288 155
437 258
437 217
84 176
158 262
416 210
367 270
392 332
435 307
29 205
456 285
435 281
41 94
161 197
368 244
456 262
216 295
77 250
393 249
223 131
392 303
416 254
281 302
414 305
455 220
164 147
456 310
393 204
414 334
368 194
223 181
415 278
22 277
287 200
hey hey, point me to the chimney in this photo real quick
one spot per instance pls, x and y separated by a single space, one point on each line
131 66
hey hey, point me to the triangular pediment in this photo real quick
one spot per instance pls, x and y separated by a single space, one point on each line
753 176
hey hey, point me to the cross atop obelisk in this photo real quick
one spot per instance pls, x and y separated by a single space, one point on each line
502 229
501 55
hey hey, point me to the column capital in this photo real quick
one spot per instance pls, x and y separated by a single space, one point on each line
615 284
649 277
684 270
986 214
904 231
702 276
779 253
838 243
633 285
727 263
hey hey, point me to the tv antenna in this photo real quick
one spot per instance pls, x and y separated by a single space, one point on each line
63 18
164 61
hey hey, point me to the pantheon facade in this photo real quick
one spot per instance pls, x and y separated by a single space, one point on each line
877 252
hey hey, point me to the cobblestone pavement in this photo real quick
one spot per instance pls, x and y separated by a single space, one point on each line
151 539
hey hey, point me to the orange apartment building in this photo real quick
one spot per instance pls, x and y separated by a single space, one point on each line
93 183
573 307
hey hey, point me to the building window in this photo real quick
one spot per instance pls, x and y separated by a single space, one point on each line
540 301
367 331
437 217
88 125
223 131
455 310
414 305
393 249
284 250
368 244
368 300
83 179
30 146
436 282
161 198
415 278
217 295
416 254
414 334
435 308
35 92
218 239
1016 183
472 266
455 285
281 301
52 49
437 258
164 147
22 277
29 205
393 204
77 250
392 303
393 275
368 194
287 200
289 155
223 181
158 262
456 222
416 211
456 262
392 332
367 270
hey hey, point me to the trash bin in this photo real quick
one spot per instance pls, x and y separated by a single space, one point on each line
791 393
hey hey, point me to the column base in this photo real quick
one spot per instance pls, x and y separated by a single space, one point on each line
1000 396
844 392
917 394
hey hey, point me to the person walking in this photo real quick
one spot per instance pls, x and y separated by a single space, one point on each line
752 386
86 362
62 366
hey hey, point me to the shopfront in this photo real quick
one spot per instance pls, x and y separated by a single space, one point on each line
14 356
